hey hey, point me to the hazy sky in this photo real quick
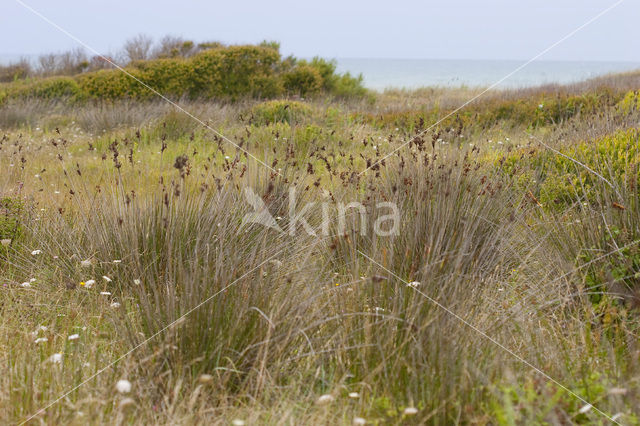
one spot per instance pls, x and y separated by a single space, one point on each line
451 29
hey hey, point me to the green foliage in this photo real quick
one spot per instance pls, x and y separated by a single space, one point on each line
11 210
112 85
290 112
616 157
630 103
303 80
47 88
234 72
168 76
220 72
14 72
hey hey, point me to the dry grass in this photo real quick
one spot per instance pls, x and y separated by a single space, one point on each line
213 320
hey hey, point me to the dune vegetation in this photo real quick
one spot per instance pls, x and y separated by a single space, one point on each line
133 290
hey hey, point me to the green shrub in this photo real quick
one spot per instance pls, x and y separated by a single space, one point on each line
112 85
280 112
303 80
14 72
234 72
630 103
168 76
220 72
48 88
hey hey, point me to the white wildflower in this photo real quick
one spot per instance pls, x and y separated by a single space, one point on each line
585 408
36 252
137 281
354 395
238 422
105 293
414 284
410 411
56 358
123 386
115 305
73 337
106 278
41 340
26 285
325 399
359 421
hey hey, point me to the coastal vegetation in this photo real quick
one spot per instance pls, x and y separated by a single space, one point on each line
133 290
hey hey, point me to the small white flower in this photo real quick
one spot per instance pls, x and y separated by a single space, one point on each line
325 399
32 280
73 337
89 283
617 391
36 252
105 293
123 386
585 408
26 285
56 358
410 411
115 305
41 340
117 261
238 422
106 278
414 284
359 421
137 281
354 395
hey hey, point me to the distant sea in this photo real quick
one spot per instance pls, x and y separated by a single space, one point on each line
412 73
380 74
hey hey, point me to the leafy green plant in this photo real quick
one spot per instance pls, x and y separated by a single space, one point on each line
11 210
280 112
303 80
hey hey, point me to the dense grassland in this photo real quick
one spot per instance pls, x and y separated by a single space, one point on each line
125 256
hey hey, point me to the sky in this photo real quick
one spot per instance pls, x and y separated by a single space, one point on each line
451 29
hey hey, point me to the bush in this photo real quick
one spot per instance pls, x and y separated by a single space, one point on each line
13 72
168 76
234 72
303 80
630 103
228 73
48 88
111 85
280 112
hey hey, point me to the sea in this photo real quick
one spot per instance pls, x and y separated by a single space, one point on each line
380 74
